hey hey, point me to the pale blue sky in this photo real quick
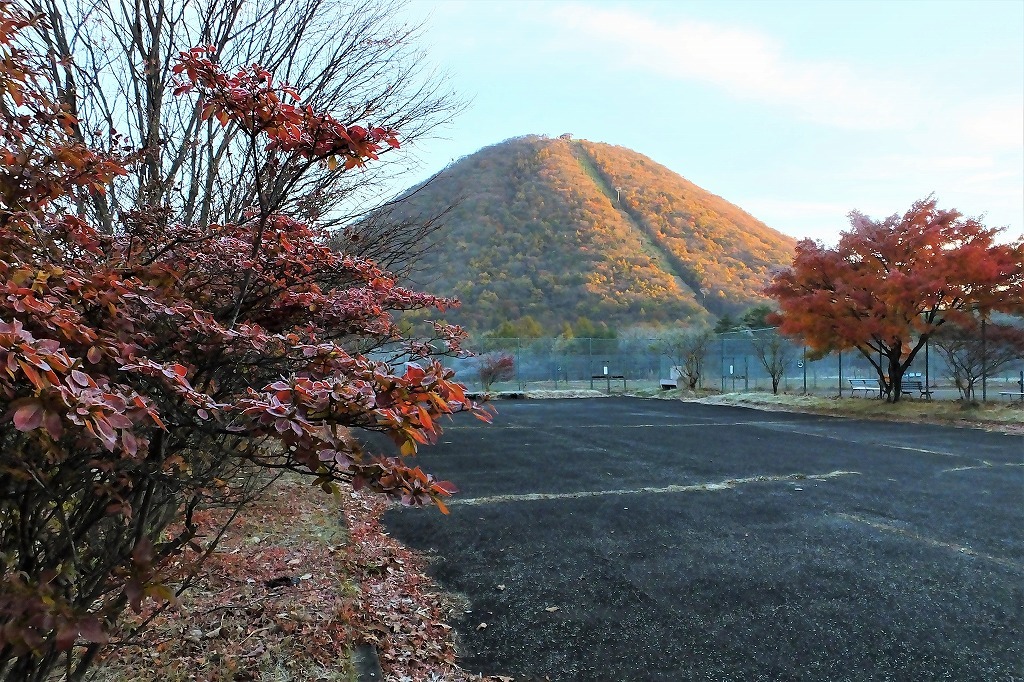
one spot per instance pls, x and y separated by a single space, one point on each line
796 111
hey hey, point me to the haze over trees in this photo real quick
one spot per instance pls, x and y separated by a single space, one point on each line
155 366
890 284
555 230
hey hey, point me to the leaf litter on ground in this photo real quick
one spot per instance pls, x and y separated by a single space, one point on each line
323 578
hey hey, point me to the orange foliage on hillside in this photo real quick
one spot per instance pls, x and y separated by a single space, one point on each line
538 231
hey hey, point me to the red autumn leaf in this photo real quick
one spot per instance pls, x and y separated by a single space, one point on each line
32 374
53 424
29 416
129 443
91 630
133 593
446 486
66 636
142 554
442 507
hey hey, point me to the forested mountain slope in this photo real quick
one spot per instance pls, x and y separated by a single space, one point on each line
558 230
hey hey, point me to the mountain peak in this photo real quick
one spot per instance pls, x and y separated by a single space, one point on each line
565 229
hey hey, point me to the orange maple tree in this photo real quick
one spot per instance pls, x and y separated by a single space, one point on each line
154 370
890 284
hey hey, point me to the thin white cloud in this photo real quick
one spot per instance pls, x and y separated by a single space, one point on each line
941 136
900 166
801 219
994 125
787 209
743 62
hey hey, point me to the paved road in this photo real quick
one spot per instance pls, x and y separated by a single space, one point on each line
693 542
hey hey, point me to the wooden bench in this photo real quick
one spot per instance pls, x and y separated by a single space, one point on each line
1014 395
866 385
911 385
667 384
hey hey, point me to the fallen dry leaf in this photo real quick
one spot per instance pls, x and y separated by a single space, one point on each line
482 626
367 588
551 609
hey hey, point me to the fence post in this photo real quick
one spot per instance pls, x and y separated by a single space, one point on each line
590 361
519 356
805 369
841 374
984 363
723 363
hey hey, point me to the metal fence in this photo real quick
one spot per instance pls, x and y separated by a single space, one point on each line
729 365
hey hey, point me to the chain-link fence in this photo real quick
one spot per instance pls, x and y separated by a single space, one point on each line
730 363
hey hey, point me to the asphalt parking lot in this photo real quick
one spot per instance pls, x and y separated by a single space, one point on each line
628 539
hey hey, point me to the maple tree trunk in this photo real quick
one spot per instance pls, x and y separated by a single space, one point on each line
895 379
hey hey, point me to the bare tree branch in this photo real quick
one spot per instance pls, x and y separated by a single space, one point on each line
112 62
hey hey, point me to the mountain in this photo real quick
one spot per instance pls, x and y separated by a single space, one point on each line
562 231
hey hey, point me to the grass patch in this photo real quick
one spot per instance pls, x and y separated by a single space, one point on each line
1003 415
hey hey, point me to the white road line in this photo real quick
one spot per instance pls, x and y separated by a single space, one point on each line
860 442
776 426
697 487
931 542
983 465
673 425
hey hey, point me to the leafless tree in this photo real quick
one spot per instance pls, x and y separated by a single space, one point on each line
112 65
685 349
774 353
969 354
